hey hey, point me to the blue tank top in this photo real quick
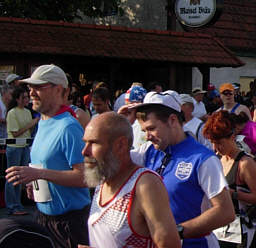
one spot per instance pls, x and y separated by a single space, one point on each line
233 109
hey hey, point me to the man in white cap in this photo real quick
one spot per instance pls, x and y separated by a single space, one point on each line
199 107
193 124
56 158
13 80
192 174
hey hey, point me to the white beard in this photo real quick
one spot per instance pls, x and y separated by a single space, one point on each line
102 171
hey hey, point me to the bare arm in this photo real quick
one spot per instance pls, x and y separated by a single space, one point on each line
246 110
254 115
31 124
155 208
83 117
130 114
247 175
220 214
204 117
25 174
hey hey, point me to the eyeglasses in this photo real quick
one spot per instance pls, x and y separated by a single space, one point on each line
227 93
40 86
165 162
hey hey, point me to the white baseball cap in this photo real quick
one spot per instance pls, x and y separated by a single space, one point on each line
167 98
11 77
186 98
48 74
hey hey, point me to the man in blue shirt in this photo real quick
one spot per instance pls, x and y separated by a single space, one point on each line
56 160
192 174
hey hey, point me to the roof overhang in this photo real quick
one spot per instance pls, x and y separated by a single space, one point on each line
26 36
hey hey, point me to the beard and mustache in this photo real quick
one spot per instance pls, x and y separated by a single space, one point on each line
102 171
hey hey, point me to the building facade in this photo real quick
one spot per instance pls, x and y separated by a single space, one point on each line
236 28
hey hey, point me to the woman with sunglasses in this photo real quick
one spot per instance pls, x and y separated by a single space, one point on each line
239 168
19 125
227 95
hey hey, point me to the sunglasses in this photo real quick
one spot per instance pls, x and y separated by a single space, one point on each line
227 93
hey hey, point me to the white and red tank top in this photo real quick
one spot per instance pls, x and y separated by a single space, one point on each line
110 224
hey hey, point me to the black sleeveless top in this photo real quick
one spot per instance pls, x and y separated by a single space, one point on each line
231 178
232 174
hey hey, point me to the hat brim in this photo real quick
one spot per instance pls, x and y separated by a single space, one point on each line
183 102
134 106
147 104
33 81
227 90
199 92
17 78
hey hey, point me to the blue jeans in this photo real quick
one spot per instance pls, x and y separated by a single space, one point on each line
16 156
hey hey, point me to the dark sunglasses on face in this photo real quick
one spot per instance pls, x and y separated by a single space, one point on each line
227 93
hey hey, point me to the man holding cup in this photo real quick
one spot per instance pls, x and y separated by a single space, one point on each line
56 161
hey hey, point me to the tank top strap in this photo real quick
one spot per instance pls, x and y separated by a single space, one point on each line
234 108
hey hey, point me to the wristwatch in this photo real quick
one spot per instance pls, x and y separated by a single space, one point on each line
180 230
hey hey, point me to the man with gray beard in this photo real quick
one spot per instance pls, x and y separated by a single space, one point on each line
126 209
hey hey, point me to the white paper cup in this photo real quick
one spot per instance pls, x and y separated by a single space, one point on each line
41 190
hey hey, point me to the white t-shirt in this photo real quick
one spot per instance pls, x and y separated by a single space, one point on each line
139 137
199 109
192 126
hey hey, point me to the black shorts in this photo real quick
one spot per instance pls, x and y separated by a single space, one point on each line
69 229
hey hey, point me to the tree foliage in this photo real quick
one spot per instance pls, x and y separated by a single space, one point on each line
65 10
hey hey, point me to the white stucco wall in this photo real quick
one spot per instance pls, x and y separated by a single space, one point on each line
227 74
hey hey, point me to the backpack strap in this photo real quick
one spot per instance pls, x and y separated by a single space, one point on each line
198 129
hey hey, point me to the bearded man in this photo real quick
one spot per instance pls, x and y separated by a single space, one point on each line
63 203
130 206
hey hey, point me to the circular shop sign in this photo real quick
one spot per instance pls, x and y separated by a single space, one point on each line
195 13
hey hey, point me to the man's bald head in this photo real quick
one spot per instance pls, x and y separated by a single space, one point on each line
112 126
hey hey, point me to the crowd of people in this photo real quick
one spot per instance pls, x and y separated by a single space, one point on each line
150 168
